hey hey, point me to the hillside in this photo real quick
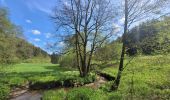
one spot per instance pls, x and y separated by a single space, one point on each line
150 37
12 48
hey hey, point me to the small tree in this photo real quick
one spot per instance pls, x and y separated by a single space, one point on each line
88 23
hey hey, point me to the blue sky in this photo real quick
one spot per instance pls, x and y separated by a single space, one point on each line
34 17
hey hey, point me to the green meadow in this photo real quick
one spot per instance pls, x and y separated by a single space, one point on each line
145 78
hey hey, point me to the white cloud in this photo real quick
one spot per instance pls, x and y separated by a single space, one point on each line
36 32
117 28
122 20
48 35
66 4
37 39
45 7
28 21
61 44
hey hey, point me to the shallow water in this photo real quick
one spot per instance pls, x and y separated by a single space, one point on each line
30 95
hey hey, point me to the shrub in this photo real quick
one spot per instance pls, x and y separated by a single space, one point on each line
68 60
113 52
106 86
4 92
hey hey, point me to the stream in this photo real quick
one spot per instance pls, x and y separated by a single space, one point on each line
30 95
37 95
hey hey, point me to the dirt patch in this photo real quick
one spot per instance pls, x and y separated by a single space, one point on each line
97 83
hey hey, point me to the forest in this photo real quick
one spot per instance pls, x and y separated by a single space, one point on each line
100 50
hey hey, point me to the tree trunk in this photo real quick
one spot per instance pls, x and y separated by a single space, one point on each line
117 81
84 74
121 64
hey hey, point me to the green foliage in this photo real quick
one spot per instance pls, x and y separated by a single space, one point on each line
55 95
13 49
84 93
150 79
21 74
17 81
151 37
67 77
39 59
109 52
6 27
68 60
4 91
106 87
55 58
7 51
85 80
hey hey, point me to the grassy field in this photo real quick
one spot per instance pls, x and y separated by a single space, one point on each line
24 72
145 78
28 68
20 75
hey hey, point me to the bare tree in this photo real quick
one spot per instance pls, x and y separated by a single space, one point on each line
135 11
89 22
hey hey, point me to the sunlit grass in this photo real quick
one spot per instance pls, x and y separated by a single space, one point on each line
151 78
28 67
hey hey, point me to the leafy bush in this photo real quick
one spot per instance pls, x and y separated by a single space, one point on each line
68 60
4 91
113 52
106 86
